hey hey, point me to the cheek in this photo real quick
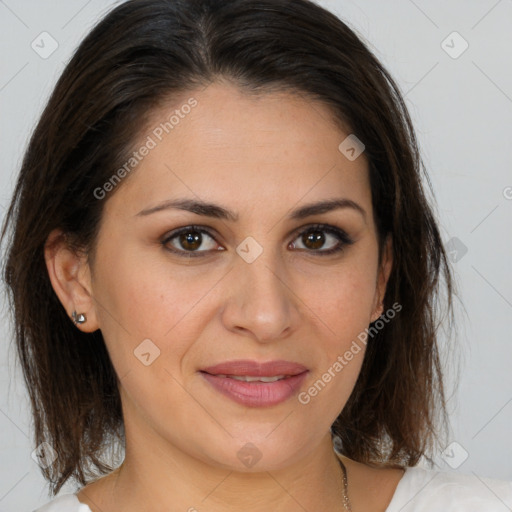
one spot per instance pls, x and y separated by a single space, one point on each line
141 298
343 316
344 299
145 294
342 306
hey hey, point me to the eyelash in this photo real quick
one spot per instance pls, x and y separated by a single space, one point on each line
344 239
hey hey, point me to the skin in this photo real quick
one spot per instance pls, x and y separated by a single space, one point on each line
261 157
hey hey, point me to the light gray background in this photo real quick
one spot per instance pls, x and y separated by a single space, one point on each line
462 110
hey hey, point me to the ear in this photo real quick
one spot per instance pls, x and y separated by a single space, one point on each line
382 279
70 276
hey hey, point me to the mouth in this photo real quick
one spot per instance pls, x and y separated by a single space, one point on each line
276 369
255 384
249 378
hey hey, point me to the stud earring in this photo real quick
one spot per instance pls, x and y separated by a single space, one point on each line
78 318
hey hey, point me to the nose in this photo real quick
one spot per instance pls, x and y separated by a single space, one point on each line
259 301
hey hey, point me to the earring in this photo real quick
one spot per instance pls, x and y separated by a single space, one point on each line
78 318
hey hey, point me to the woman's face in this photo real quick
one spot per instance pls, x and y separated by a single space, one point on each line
262 283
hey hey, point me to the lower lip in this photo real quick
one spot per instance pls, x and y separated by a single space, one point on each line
257 394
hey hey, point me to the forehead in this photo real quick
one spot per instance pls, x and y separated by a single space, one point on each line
223 145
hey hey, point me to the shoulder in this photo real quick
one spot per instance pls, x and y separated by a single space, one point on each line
422 490
64 503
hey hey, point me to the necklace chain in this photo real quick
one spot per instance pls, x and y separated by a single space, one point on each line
346 501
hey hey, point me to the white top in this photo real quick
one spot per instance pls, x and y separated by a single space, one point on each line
419 490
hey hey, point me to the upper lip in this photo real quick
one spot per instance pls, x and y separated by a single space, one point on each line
247 367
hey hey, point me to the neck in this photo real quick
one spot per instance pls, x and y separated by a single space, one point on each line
157 475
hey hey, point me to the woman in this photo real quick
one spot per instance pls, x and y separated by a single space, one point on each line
223 262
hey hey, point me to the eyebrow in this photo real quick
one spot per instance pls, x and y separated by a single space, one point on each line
218 212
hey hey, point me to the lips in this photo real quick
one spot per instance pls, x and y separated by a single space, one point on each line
254 384
247 367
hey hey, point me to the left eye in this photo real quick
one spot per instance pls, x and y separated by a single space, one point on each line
187 241
315 237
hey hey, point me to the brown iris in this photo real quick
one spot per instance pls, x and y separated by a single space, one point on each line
191 240
313 239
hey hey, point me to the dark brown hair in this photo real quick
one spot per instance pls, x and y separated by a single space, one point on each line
145 52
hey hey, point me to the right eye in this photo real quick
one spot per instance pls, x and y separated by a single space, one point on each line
186 241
